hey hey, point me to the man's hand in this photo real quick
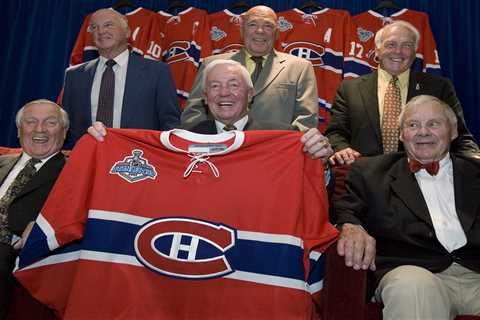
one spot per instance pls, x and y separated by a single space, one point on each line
357 246
21 242
344 156
97 130
316 145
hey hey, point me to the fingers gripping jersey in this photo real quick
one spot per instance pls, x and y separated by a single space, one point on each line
322 38
361 57
182 226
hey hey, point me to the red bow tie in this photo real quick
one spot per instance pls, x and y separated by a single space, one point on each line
432 167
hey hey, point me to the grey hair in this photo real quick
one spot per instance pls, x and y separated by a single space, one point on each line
243 71
425 99
122 20
63 118
399 23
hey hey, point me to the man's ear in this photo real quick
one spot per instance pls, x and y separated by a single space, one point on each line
250 94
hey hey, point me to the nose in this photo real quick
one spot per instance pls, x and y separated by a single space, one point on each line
225 91
423 131
39 127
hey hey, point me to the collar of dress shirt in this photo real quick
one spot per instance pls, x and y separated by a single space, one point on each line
240 124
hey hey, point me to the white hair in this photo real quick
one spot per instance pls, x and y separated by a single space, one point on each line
399 23
243 71
63 115
426 99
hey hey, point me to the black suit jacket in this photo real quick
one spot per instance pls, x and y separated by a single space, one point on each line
23 209
149 100
209 127
355 118
26 206
383 196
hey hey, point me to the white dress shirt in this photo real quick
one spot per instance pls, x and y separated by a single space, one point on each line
438 192
240 124
120 71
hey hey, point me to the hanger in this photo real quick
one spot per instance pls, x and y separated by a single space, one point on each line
386 4
310 6
123 4
239 7
174 7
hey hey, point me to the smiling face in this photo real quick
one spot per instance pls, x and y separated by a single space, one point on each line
426 132
397 49
41 131
226 93
110 34
259 30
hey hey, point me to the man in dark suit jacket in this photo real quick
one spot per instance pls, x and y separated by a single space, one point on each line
227 89
42 126
355 126
144 93
285 90
414 219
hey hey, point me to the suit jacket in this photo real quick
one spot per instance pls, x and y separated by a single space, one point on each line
209 127
285 92
149 100
384 197
355 118
23 209
26 206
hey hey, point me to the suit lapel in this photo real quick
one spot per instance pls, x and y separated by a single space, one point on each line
467 189
415 85
135 75
7 165
369 94
273 66
47 173
405 186
240 57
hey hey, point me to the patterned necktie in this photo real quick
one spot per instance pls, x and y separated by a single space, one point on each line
229 127
258 68
432 167
12 192
107 94
391 110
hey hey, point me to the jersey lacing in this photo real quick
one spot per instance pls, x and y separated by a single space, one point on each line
197 159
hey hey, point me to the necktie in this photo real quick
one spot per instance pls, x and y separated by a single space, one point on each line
229 127
12 192
391 110
107 94
258 68
432 167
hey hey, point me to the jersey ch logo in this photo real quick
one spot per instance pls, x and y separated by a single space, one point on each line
185 248
307 50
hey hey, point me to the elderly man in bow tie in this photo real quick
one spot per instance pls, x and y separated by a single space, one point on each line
413 219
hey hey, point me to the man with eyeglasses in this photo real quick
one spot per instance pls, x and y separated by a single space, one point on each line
365 109
285 85
120 89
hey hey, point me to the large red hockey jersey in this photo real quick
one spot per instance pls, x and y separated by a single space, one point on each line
145 38
225 32
185 44
322 38
361 57
175 225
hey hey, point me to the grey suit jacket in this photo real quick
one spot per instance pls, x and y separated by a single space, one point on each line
384 197
355 118
285 92
149 100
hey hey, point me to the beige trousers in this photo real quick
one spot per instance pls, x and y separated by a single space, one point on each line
411 292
